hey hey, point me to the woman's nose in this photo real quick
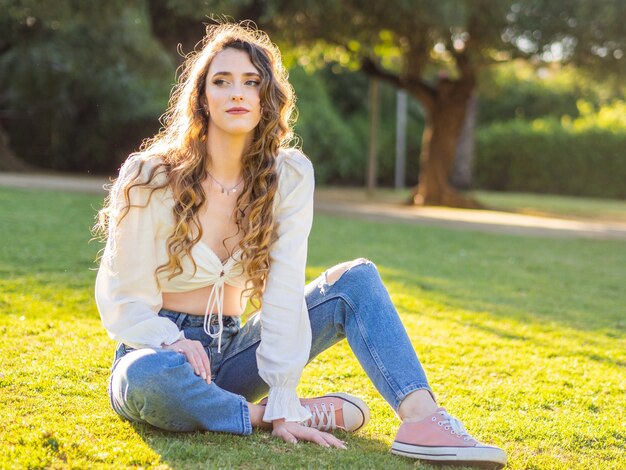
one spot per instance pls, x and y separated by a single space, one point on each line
236 93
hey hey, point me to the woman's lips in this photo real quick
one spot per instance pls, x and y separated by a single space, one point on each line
237 111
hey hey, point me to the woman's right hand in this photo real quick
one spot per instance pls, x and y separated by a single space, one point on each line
293 432
195 354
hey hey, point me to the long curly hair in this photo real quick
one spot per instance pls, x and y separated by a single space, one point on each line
179 152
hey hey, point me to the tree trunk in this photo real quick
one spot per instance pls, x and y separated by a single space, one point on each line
444 121
461 177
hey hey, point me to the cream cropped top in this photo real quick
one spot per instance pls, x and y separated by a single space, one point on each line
128 293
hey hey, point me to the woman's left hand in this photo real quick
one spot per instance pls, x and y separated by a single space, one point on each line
292 432
195 354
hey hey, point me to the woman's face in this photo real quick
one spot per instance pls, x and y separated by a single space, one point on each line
232 93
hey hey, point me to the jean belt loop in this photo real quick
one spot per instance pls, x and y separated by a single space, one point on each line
180 320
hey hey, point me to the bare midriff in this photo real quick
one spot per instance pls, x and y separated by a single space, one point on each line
194 302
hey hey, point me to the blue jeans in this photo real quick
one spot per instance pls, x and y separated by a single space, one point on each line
159 387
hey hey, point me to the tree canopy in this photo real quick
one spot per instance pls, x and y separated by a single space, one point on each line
81 74
434 49
75 75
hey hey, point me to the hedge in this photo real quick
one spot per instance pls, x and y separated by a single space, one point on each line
521 156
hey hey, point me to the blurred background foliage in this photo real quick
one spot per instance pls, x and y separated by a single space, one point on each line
333 125
550 130
82 83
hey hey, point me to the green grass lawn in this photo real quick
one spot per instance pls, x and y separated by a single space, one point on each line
522 338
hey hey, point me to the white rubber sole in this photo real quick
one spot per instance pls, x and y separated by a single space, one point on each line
484 456
363 409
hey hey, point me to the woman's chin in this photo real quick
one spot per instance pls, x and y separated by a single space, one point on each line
238 131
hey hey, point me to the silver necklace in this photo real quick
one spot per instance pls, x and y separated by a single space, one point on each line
225 190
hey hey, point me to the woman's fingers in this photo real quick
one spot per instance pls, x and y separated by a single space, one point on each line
327 440
191 359
319 439
206 364
200 362
334 441
196 356
285 435
311 435
299 432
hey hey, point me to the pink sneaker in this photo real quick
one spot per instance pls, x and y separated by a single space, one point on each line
442 438
335 411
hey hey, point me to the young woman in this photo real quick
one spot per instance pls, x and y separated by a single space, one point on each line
213 212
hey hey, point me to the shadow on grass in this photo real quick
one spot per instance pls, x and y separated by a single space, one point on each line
572 283
260 450
480 314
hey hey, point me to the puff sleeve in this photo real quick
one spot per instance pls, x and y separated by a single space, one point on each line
285 327
127 291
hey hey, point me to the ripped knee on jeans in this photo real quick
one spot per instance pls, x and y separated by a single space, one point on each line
333 274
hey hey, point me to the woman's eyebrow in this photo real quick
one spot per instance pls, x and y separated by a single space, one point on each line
246 74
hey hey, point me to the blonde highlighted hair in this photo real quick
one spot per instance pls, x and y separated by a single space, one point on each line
179 159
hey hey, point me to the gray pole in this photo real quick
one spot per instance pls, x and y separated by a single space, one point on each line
372 160
401 118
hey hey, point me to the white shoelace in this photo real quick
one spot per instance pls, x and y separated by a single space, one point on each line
453 424
317 418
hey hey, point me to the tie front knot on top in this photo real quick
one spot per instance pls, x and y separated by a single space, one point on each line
229 272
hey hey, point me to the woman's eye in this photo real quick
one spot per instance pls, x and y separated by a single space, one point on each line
219 82
253 83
